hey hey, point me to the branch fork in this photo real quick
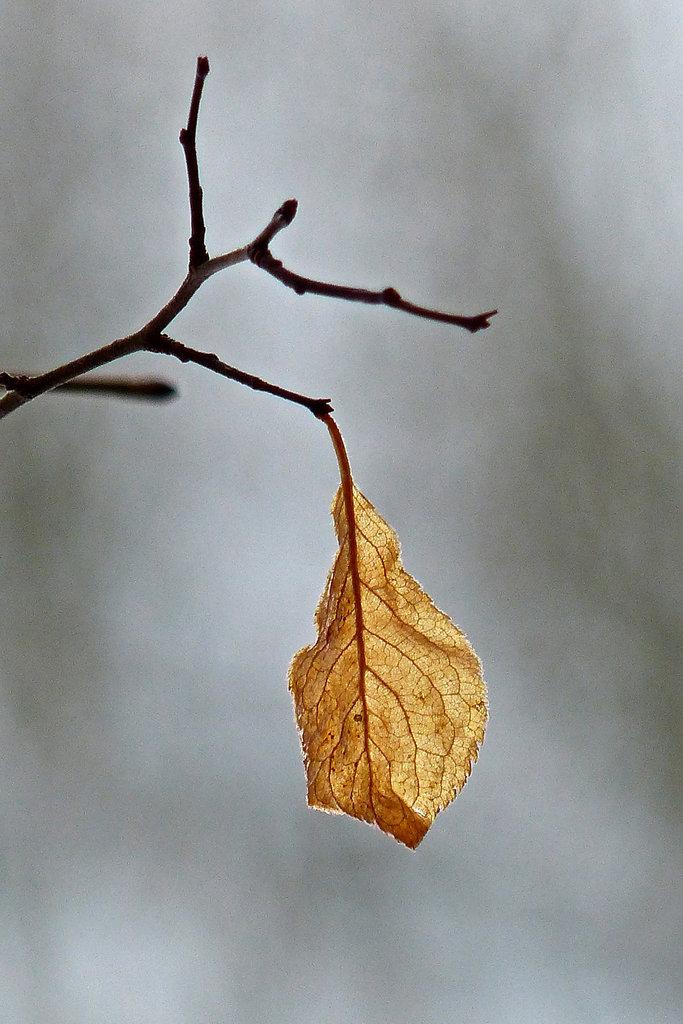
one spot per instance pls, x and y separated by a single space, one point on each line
22 388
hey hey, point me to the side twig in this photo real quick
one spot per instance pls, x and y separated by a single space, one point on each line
188 140
261 256
320 407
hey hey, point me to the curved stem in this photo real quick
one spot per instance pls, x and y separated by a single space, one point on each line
347 489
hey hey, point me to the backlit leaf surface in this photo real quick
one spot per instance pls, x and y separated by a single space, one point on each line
390 700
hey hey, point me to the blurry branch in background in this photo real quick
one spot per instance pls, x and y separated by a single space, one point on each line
22 388
124 387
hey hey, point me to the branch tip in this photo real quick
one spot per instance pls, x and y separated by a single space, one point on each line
287 211
151 388
284 215
321 408
480 322
202 67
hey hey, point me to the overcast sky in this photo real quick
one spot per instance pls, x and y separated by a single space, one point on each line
159 566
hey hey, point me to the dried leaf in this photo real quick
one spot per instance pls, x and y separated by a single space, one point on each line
389 700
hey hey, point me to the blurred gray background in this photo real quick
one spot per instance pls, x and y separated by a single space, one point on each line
160 565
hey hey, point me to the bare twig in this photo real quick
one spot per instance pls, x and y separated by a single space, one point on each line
261 256
23 388
188 140
150 338
282 218
168 346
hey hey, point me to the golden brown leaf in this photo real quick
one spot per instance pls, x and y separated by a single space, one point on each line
389 700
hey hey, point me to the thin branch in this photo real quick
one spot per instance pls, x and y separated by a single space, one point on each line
188 140
24 388
261 256
320 407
